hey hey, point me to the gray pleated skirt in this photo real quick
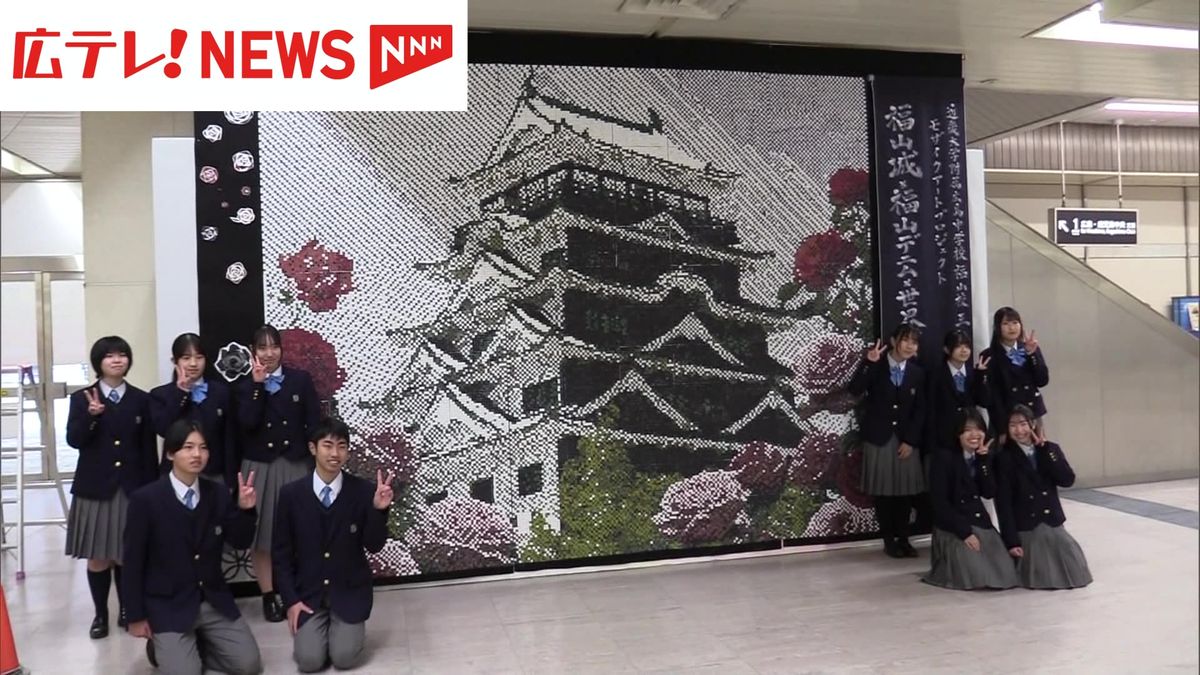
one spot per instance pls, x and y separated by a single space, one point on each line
1052 560
886 475
953 565
268 480
96 527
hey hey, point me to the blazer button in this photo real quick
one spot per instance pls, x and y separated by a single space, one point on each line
895 406
976 515
196 557
285 442
201 584
270 444
117 463
117 442
285 423
893 422
268 425
327 554
1046 511
1044 493
326 582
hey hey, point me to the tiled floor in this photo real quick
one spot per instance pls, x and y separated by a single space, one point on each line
849 610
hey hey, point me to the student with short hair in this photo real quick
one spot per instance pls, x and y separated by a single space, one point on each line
325 524
209 401
109 424
955 389
892 424
1030 471
277 409
174 586
966 552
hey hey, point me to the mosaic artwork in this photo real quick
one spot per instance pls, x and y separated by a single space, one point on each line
605 312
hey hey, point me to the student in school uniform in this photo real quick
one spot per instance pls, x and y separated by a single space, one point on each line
208 401
277 409
966 553
175 588
109 424
1030 471
1017 370
325 524
892 424
954 389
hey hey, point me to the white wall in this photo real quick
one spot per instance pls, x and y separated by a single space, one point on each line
1154 270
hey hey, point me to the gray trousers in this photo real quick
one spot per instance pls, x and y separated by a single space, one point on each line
227 647
324 638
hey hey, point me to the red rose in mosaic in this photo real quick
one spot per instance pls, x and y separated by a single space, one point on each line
848 186
760 468
826 363
321 275
814 458
849 477
821 259
309 351
389 451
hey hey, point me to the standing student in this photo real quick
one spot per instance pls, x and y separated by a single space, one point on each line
209 402
892 424
955 389
966 553
325 524
277 409
175 589
109 424
1030 471
1017 369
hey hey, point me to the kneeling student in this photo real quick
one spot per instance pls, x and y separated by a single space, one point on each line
1030 470
175 591
325 524
967 553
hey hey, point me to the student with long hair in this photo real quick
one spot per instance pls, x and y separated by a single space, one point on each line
966 553
175 588
1017 370
109 424
207 401
892 425
1030 470
277 409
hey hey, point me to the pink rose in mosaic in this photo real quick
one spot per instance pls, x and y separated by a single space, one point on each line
701 509
760 468
827 363
393 560
460 533
321 275
814 458
389 451
310 352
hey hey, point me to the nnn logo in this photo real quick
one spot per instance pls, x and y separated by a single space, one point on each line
397 51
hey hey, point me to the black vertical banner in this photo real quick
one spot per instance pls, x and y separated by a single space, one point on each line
921 212
229 264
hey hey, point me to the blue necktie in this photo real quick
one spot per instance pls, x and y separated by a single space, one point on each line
189 499
274 383
971 467
326 496
960 381
114 396
1017 356
199 392
897 375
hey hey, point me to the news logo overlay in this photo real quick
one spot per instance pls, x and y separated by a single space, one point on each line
76 56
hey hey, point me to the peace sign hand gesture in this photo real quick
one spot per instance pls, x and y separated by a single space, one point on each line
982 364
1039 438
95 405
985 448
247 498
876 351
257 371
181 380
383 490
1031 342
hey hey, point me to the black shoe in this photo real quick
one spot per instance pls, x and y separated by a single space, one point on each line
272 608
99 628
122 620
150 653
892 549
906 548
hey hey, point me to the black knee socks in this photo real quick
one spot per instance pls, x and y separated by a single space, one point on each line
884 515
901 511
98 583
117 578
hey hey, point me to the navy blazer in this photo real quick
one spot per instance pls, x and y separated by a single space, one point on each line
1012 386
956 495
946 403
277 425
320 555
169 403
1026 495
890 409
173 556
116 448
